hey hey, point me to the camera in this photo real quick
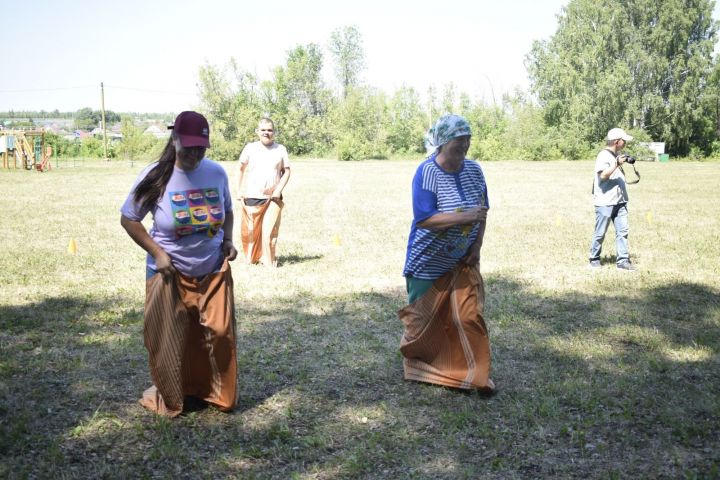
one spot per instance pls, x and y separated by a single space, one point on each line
629 159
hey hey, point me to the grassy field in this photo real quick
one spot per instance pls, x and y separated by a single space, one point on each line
601 374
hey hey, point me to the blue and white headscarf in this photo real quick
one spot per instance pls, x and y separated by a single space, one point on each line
445 129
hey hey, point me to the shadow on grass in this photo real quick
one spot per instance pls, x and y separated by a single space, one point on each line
293 258
61 360
625 383
63 314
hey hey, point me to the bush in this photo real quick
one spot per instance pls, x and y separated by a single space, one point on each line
349 148
715 149
490 148
92 147
225 150
60 146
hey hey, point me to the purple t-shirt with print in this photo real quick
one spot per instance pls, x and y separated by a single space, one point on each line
188 218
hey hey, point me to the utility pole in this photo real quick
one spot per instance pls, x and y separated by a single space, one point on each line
104 127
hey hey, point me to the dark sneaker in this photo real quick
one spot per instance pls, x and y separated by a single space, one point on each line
626 266
594 264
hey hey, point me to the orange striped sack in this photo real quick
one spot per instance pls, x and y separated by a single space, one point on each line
259 231
445 340
190 338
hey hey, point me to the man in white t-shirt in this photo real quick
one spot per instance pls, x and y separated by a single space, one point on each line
610 198
265 168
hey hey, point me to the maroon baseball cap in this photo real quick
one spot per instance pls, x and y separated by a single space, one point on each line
192 129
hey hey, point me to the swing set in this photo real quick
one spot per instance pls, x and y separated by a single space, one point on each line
25 149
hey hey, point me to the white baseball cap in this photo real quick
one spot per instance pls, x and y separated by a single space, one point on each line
617 134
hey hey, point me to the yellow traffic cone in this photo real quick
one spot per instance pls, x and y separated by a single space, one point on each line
336 239
72 247
648 217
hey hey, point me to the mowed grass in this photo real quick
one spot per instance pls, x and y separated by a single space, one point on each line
600 374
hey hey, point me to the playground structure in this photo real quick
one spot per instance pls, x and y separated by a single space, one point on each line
25 149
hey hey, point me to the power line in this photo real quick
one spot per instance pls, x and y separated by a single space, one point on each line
148 90
47 89
54 89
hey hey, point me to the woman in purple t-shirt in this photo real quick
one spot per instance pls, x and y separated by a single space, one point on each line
189 308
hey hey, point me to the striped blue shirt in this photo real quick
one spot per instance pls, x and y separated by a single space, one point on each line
432 253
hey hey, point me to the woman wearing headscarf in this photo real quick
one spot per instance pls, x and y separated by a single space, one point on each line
445 340
189 328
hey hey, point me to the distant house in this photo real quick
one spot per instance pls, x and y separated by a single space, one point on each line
77 136
113 134
157 132
53 128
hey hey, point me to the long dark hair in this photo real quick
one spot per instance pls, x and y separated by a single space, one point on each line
152 187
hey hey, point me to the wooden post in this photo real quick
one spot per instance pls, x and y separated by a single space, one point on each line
102 110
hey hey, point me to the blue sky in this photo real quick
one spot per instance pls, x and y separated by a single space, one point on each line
148 53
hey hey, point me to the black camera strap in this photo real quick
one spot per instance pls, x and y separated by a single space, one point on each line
636 174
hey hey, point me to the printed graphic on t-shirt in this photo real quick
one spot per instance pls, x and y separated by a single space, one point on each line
197 211
456 246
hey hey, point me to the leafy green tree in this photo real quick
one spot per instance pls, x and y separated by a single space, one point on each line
358 125
448 99
300 81
434 110
230 98
488 124
87 118
135 144
526 136
298 101
633 63
707 127
405 122
346 48
111 117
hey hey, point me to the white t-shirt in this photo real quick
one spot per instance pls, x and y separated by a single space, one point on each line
264 167
612 191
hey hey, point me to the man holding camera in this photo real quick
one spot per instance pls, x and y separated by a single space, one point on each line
610 199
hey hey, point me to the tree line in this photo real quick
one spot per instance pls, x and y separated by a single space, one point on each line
82 119
645 65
